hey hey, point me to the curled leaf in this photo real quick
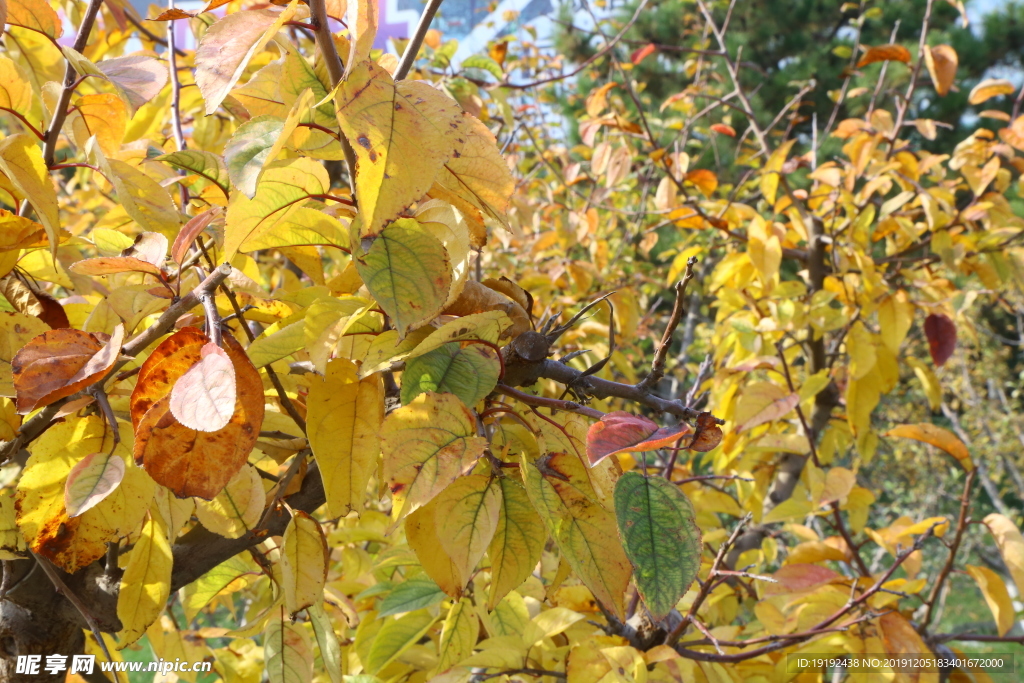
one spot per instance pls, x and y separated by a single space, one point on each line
620 432
204 397
92 479
59 363
885 53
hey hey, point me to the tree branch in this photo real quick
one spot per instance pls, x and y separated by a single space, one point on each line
413 47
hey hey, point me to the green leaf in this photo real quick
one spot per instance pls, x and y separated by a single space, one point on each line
408 272
517 544
248 150
204 164
470 373
661 538
483 62
395 637
327 639
560 490
411 595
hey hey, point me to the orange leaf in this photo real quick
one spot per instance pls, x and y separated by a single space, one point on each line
187 461
989 88
59 363
642 53
707 435
172 14
724 129
941 61
620 432
204 397
705 180
938 437
885 53
109 265
168 361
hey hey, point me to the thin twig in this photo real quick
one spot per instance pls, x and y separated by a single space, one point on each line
412 48
325 41
661 353
799 411
62 588
553 403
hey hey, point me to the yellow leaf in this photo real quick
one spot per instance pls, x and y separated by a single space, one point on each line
421 533
362 18
143 198
12 543
146 582
427 444
938 437
276 215
989 88
517 544
408 272
21 161
402 134
467 517
74 542
931 384
838 483
763 402
862 396
227 47
35 15
478 175
15 89
770 172
895 316
287 651
303 562
343 419
597 99
998 598
16 330
941 61
1011 545
458 635
103 115
860 344
586 532
237 508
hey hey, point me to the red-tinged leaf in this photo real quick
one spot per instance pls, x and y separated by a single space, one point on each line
59 363
172 14
190 231
204 397
941 334
109 265
92 479
150 247
52 313
797 578
707 435
724 129
620 432
642 53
